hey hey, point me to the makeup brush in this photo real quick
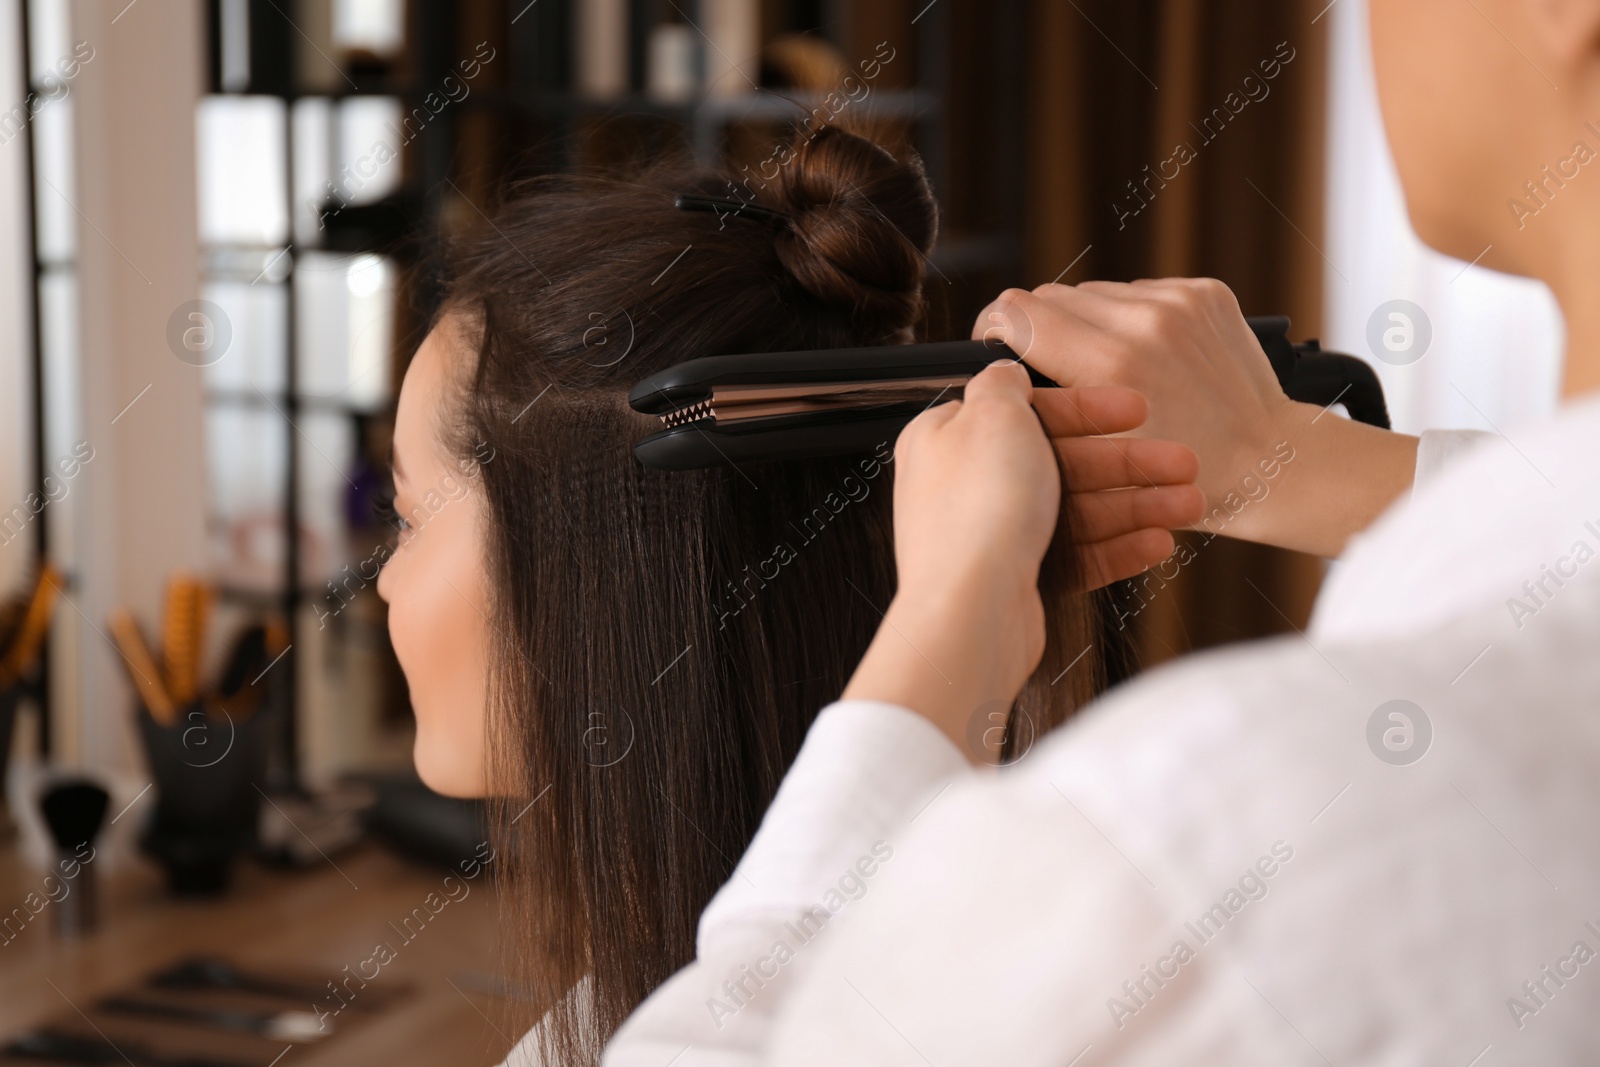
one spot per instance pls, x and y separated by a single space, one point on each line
74 810
146 676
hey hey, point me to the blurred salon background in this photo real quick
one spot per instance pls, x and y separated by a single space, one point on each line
216 229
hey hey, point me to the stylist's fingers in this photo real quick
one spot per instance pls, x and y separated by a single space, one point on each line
1127 556
1103 515
1093 463
1015 317
998 386
929 421
1089 301
1200 300
1136 290
1005 383
1090 410
977 486
1059 330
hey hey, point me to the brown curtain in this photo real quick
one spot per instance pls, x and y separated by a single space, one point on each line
1115 86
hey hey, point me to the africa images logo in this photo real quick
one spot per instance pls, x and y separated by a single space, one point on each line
1399 732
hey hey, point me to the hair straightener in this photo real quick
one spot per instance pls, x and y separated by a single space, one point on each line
728 410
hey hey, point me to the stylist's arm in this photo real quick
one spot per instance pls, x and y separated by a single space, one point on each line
976 494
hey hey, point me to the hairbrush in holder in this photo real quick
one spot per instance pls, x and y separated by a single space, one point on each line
728 410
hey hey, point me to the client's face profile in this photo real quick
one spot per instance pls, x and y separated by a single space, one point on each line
434 582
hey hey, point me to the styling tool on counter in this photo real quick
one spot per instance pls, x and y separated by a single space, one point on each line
300 1027
726 410
211 973
75 810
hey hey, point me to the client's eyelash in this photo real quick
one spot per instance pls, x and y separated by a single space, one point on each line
385 508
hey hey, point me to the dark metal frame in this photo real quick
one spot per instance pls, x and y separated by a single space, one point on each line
41 533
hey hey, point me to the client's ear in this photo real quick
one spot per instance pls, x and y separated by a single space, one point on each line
1568 30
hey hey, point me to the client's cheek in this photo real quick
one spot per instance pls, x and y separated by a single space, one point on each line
392 587
413 590
428 645
427 640
440 635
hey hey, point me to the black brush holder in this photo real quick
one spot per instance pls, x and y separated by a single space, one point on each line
210 773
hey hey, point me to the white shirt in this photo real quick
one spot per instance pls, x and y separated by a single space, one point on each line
1215 863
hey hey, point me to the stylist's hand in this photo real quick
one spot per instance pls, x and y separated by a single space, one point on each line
1125 495
976 494
1184 345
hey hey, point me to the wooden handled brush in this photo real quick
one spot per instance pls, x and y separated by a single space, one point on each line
29 636
183 636
142 669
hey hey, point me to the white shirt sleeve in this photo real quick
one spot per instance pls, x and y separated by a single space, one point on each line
866 771
1438 448
1224 863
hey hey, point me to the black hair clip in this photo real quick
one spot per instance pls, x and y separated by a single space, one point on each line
725 208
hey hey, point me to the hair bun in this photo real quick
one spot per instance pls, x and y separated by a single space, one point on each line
862 224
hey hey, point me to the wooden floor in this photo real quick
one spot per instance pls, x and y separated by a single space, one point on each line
313 922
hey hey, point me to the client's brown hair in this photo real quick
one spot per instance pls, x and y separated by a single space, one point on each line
663 640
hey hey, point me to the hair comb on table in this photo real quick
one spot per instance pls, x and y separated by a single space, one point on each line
727 410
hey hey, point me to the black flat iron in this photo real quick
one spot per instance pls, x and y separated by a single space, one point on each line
730 410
